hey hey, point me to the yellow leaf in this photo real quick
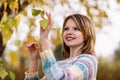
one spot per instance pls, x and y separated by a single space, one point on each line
3 73
30 38
4 18
17 20
24 12
14 59
32 20
5 5
13 5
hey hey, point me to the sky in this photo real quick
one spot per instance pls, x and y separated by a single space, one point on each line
107 38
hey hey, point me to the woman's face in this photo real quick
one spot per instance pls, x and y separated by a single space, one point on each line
72 35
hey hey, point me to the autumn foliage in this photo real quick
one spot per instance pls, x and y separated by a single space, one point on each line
10 18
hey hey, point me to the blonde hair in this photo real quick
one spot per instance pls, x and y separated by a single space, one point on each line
86 26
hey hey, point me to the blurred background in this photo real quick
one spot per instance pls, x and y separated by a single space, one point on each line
20 24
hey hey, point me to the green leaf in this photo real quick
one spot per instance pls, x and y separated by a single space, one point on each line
35 12
12 75
11 22
3 74
17 43
42 13
6 32
44 23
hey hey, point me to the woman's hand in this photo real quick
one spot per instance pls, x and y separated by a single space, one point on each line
33 49
45 43
44 32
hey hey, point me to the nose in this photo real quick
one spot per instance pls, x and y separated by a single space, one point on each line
70 31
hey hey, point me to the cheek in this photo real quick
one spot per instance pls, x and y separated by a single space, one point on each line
81 37
63 35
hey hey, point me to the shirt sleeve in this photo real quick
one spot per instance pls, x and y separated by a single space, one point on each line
31 76
84 68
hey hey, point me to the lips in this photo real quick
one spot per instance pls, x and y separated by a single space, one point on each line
70 38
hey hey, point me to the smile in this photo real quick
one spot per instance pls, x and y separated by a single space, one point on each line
69 38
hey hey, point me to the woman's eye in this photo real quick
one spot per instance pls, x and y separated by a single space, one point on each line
76 29
66 28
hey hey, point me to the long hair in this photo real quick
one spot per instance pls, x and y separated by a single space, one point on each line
86 26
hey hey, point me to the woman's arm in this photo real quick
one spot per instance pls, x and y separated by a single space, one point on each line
85 67
31 73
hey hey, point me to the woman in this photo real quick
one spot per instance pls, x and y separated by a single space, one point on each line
78 49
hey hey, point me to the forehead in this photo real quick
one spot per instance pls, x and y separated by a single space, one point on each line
70 22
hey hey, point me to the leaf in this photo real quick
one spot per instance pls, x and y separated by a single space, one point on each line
12 75
13 5
17 43
5 5
35 12
6 32
3 73
10 1
24 12
4 18
44 23
30 1
32 20
11 22
30 38
13 59
42 13
17 18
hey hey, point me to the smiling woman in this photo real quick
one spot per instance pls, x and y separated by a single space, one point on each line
78 50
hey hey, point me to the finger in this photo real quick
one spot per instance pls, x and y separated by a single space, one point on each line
49 17
41 29
36 46
29 45
50 21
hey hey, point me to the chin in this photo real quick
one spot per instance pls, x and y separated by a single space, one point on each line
70 45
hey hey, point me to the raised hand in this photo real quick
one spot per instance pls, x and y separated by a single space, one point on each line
44 32
33 49
45 43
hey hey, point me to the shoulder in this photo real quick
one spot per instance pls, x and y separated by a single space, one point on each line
88 58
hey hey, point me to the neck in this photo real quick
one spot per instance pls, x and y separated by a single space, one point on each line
75 51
